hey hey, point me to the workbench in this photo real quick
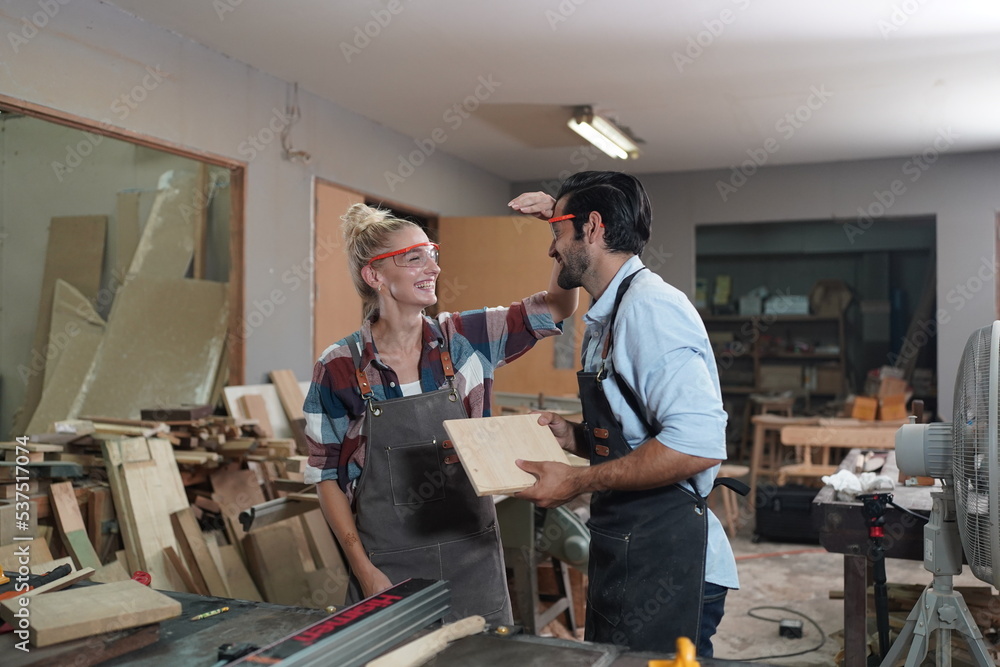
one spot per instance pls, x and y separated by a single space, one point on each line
843 529
181 641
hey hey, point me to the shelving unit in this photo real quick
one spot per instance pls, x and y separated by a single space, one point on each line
773 353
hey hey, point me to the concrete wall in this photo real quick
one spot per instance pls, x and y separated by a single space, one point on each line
961 191
96 62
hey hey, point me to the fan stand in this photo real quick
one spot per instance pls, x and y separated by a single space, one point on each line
940 606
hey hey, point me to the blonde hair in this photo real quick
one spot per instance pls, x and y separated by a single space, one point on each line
366 233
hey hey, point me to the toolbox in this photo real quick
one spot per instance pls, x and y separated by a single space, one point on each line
785 514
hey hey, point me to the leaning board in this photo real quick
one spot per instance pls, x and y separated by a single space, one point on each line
489 446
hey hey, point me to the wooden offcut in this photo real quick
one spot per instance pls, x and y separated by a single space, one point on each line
92 610
241 585
254 407
195 550
71 527
292 399
273 560
489 447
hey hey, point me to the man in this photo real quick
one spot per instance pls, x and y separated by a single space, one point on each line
654 427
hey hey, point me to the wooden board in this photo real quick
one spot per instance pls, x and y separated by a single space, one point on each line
71 526
275 413
292 399
146 488
91 610
241 585
254 407
274 562
488 448
193 546
166 246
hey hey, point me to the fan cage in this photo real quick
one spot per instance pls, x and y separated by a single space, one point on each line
975 455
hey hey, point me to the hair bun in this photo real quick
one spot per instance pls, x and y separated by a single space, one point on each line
359 217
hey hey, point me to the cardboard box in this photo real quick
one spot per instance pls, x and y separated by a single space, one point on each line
778 377
829 379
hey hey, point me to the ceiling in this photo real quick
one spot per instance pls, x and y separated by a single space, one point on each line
706 84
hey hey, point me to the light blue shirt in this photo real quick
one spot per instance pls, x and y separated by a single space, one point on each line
662 352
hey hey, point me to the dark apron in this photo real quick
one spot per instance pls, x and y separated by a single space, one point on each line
647 548
416 512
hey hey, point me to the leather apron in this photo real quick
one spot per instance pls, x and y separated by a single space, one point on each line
647 548
417 513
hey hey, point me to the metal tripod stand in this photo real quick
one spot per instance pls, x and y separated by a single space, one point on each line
940 608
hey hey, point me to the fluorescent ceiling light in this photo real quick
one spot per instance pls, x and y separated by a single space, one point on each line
603 134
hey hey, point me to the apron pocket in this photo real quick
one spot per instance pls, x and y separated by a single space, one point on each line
415 563
608 573
474 568
415 473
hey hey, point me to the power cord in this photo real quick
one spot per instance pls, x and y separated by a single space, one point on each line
751 614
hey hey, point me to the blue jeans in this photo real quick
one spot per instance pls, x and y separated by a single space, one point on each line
712 608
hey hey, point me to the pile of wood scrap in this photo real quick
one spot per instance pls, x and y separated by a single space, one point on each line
163 495
81 363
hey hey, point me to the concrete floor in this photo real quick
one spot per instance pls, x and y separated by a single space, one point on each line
799 577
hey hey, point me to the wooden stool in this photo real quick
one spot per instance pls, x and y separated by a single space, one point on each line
730 499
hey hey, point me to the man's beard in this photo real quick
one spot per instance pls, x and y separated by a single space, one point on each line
574 265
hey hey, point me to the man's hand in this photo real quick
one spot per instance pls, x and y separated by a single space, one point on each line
538 204
557 483
564 431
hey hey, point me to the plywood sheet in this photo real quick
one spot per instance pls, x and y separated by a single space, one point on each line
79 328
166 246
237 576
74 254
82 612
488 448
162 347
126 237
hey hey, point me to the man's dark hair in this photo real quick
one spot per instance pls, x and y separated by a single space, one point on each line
619 198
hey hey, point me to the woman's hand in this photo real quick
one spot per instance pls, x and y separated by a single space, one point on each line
373 581
539 204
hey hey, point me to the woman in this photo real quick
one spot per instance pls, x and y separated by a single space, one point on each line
389 485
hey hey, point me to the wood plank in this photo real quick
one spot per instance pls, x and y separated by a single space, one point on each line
75 254
145 487
59 584
193 585
241 585
199 560
91 610
143 340
274 563
71 526
488 448
87 652
275 413
292 399
100 510
37 553
113 571
254 407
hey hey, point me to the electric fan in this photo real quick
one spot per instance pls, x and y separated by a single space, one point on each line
964 514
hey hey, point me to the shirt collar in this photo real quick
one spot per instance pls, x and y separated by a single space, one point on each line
432 339
600 310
